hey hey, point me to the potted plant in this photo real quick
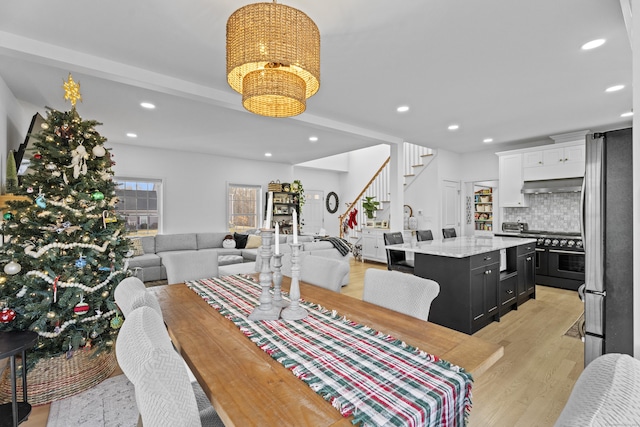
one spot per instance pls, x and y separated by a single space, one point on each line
370 206
296 187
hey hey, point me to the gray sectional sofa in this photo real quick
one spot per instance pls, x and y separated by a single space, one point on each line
148 266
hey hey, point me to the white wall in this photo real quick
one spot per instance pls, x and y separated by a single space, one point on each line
362 165
325 181
14 124
635 44
194 196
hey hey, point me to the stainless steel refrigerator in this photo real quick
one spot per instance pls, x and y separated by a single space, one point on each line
607 227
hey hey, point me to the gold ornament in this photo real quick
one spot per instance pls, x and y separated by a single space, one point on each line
72 91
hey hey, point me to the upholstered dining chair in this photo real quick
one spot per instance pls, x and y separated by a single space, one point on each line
127 290
422 235
131 293
447 233
164 394
405 293
318 270
191 265
397 260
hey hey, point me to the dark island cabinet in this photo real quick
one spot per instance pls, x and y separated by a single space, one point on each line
484 295
526 273
473 290
469 291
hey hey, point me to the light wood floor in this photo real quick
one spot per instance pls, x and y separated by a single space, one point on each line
529 385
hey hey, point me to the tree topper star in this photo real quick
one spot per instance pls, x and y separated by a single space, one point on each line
72 91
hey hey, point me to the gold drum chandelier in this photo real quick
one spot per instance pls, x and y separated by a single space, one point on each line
273 58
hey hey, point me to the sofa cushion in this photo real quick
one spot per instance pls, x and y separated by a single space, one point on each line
316 246
223 251
229 259
146 260
210 240
241 240
176 242
301 239
250 254
148 244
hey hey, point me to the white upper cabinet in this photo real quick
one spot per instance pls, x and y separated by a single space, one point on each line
511 181
559 161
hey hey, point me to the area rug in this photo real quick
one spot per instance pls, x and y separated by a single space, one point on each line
574 330
111 403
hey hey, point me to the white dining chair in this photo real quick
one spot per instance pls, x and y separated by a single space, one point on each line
127 290
191 265
400 292
318 270
164 395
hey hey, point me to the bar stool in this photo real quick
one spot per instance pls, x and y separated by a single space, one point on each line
12 343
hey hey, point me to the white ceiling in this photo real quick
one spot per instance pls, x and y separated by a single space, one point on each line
512 70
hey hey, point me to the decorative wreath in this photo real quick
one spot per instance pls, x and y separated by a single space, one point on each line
331 209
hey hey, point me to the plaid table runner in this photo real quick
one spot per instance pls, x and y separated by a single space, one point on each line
378 379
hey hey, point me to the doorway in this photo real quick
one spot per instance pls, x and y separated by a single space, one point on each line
312 218
451 205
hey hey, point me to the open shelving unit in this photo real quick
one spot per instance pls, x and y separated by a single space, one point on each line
283 205
483 209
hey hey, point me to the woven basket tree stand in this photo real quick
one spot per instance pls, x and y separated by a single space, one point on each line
58 377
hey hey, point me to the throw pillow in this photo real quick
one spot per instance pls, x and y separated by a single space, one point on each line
253 241
228 243
136 246
241 240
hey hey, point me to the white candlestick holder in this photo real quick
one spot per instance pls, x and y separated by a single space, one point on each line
266 310
294 311
277 282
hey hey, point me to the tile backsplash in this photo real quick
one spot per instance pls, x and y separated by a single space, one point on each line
550 212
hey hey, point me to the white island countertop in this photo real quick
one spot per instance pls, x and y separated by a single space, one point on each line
461 247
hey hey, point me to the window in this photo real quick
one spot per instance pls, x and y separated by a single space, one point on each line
243 206
138 203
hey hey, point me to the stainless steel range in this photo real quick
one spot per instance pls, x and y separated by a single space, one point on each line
560 256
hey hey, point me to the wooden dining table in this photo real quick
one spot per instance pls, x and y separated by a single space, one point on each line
247 387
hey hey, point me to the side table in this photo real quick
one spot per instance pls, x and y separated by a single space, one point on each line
12 343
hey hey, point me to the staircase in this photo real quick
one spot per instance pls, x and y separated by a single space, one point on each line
416 159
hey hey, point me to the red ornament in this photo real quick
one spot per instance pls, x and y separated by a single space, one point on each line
81 308
37 156
7 315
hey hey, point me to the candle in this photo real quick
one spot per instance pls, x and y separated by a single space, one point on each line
277 250
295 226
267 222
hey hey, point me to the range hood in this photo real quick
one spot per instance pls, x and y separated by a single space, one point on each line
566 185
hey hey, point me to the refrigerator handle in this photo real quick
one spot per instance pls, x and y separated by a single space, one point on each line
582 207
581 291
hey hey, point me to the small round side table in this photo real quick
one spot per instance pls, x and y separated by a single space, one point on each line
12 343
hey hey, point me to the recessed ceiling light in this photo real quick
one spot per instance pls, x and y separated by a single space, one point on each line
313 138
453 127
627 114
132 135
267 154
487 140
614 88
402 109
593 44
147 105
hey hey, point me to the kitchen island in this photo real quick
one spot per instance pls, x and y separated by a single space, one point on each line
473 290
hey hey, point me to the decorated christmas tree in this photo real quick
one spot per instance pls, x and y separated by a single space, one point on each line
64 249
